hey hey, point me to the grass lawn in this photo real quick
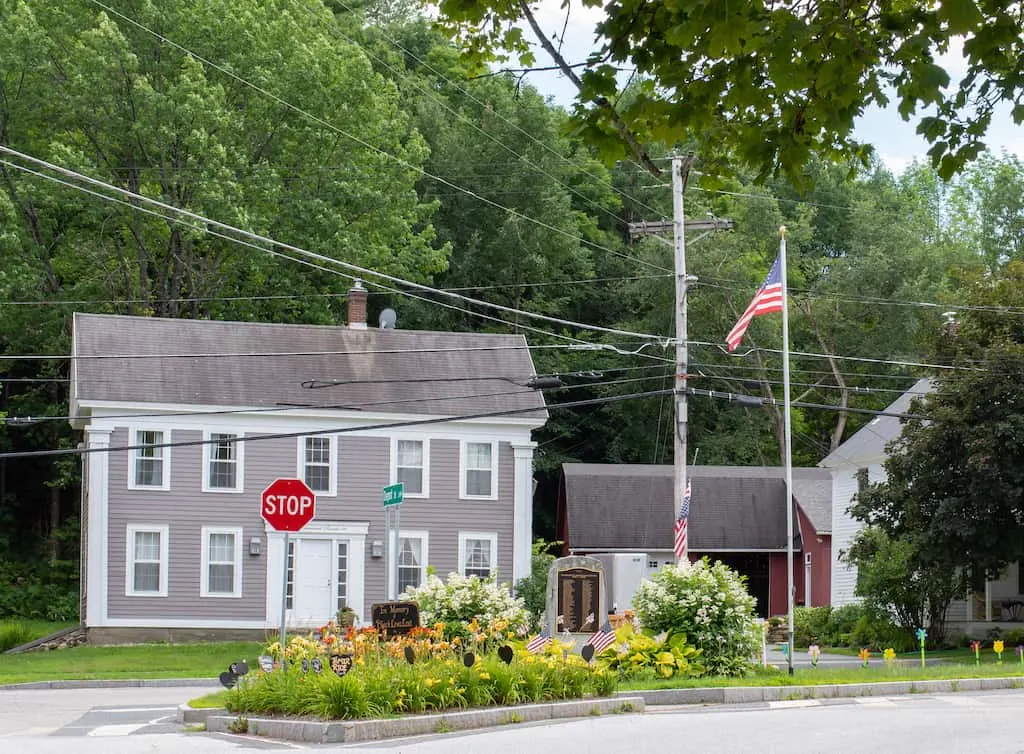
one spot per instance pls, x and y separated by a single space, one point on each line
138 661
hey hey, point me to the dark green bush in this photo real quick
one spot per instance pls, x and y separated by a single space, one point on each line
41 591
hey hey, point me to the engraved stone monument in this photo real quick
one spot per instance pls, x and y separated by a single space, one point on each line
577 597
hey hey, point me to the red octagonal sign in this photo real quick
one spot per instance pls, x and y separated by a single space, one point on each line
288 504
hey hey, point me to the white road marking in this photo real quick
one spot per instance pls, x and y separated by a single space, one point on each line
115 730
787 703
961 701
119 710
874 701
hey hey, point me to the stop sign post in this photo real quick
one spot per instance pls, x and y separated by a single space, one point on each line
287 505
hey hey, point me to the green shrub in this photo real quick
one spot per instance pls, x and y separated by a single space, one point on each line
462 600
533 589
664 655
710 605
811 625
1014 637
39 590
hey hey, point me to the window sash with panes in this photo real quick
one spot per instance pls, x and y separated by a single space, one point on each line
410 563
342 595
478 558
317 465
149 459
478 469
223 461
220 563
409 466
146 563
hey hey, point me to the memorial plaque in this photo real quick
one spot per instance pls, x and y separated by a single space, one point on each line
395 618
578 599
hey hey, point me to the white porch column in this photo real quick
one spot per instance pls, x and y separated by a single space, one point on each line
96 533
988 601
522 510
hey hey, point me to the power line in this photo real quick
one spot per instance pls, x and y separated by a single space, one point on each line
303 252
362 142
337 430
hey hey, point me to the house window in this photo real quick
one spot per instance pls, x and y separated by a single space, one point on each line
342 577
862 480
146 573
412 560
223 462
478 554
289 581
479 470
149 467
410 466
317 464
221 562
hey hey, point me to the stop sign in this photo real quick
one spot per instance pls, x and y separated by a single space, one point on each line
288 504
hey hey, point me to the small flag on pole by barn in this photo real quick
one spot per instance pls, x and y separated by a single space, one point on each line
680 528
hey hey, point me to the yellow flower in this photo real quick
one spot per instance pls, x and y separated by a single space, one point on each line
485 676
997 646
430 682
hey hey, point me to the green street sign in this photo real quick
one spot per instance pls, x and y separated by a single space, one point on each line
393 494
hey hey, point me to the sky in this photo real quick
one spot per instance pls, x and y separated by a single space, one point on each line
894 139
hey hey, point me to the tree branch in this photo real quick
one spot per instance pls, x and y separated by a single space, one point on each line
602 102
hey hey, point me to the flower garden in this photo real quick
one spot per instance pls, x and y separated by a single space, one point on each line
475 650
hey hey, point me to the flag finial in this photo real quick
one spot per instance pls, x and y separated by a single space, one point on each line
782 231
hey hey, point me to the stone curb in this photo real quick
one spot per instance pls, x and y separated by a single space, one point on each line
113 684
748 694
192 715
349 731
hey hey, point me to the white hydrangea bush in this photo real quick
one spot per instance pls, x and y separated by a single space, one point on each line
711 605
460 599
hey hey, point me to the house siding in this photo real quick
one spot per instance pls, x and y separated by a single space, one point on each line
845 528
821 563
363 469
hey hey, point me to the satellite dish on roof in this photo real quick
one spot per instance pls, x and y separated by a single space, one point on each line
387 319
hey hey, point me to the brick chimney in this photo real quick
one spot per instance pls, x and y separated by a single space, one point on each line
357 306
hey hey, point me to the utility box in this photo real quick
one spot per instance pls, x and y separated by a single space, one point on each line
625 572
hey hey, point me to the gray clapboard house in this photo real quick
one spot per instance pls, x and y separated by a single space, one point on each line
173 540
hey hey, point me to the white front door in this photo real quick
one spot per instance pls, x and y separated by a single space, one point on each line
313 601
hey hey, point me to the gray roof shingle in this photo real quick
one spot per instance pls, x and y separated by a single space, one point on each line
213 363
632 507
867 445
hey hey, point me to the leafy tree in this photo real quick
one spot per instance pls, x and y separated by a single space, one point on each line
777 82
955 487
895 581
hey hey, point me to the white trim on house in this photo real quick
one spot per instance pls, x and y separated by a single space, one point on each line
332 463
186 623
522 510
135 457
204 577
131 530
490 537
238 459
464 470
97 535
424 468
424 537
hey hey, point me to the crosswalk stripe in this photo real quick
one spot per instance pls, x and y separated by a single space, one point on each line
786 703
115 730
874 701
961 701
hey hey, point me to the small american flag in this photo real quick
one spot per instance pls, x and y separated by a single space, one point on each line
769 298
680 529
602 638
538 643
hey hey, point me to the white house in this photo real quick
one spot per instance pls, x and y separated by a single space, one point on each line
187 421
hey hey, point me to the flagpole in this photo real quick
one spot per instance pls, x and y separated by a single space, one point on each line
788 451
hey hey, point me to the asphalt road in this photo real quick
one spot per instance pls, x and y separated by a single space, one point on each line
137 720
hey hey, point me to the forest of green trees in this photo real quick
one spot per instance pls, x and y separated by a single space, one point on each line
359 132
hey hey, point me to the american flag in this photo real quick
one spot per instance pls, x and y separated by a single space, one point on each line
538 643
769 298
602 638
680 530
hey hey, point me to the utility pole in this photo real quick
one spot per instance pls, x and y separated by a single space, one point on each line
679 225
680 172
